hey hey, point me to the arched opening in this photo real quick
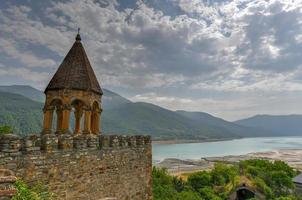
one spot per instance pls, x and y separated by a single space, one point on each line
95 118
244 193
76 119
57 115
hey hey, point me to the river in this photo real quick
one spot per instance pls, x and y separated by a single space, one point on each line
224 148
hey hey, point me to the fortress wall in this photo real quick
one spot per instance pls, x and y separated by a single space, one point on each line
82 167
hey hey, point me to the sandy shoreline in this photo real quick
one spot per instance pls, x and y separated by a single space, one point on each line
176 166
189 141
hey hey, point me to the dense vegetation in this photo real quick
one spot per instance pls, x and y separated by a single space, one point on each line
37 192
272 179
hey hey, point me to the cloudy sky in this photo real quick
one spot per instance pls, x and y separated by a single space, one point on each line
232 59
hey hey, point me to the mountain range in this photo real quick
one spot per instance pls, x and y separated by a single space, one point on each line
21 107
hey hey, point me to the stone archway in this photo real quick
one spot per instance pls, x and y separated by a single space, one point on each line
54 106
244 193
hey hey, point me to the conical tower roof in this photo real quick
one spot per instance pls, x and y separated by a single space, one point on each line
75 72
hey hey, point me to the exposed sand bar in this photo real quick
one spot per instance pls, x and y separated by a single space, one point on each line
176 166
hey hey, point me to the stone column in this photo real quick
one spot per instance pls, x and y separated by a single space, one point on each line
65 117
78 115
47 123
97 122
59 119
87 122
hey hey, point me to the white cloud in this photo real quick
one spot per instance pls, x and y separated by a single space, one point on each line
246 46
24 73
24 56
229 108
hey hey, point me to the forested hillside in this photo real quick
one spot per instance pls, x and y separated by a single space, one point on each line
24 114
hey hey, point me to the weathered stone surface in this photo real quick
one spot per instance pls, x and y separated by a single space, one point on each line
65 141
108 167
10 143
7 179
80 141
49 142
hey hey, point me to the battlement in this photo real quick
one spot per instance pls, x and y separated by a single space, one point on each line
12 144
82 166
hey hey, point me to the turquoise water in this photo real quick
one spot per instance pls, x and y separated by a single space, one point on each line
224 148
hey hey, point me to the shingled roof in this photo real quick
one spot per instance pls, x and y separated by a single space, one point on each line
75 72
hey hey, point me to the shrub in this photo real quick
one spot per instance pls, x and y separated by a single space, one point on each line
199 180
38 192
5 130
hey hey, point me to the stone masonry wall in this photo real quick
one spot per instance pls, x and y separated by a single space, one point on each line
82 167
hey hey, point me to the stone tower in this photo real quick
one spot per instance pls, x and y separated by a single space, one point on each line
73 90
77 163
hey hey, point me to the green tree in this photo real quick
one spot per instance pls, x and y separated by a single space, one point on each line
209 194
273 179
188 195
223 174
281 183
199 180
163 188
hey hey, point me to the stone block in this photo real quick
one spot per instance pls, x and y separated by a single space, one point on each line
92 141
80 141
124 141
49 142
147 139
132 141
31 143
7 179
104 141
65 141
114 141
10 143
139 140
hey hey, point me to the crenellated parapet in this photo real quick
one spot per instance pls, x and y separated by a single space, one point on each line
13 144
81 166
122 141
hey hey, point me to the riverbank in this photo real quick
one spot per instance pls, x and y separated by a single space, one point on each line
177 166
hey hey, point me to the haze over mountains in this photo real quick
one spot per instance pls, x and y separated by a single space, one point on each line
279 124
21 108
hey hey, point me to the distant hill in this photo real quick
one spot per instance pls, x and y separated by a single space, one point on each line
24 90
112 100
282 125
125 117
202 118
21 113
145 118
